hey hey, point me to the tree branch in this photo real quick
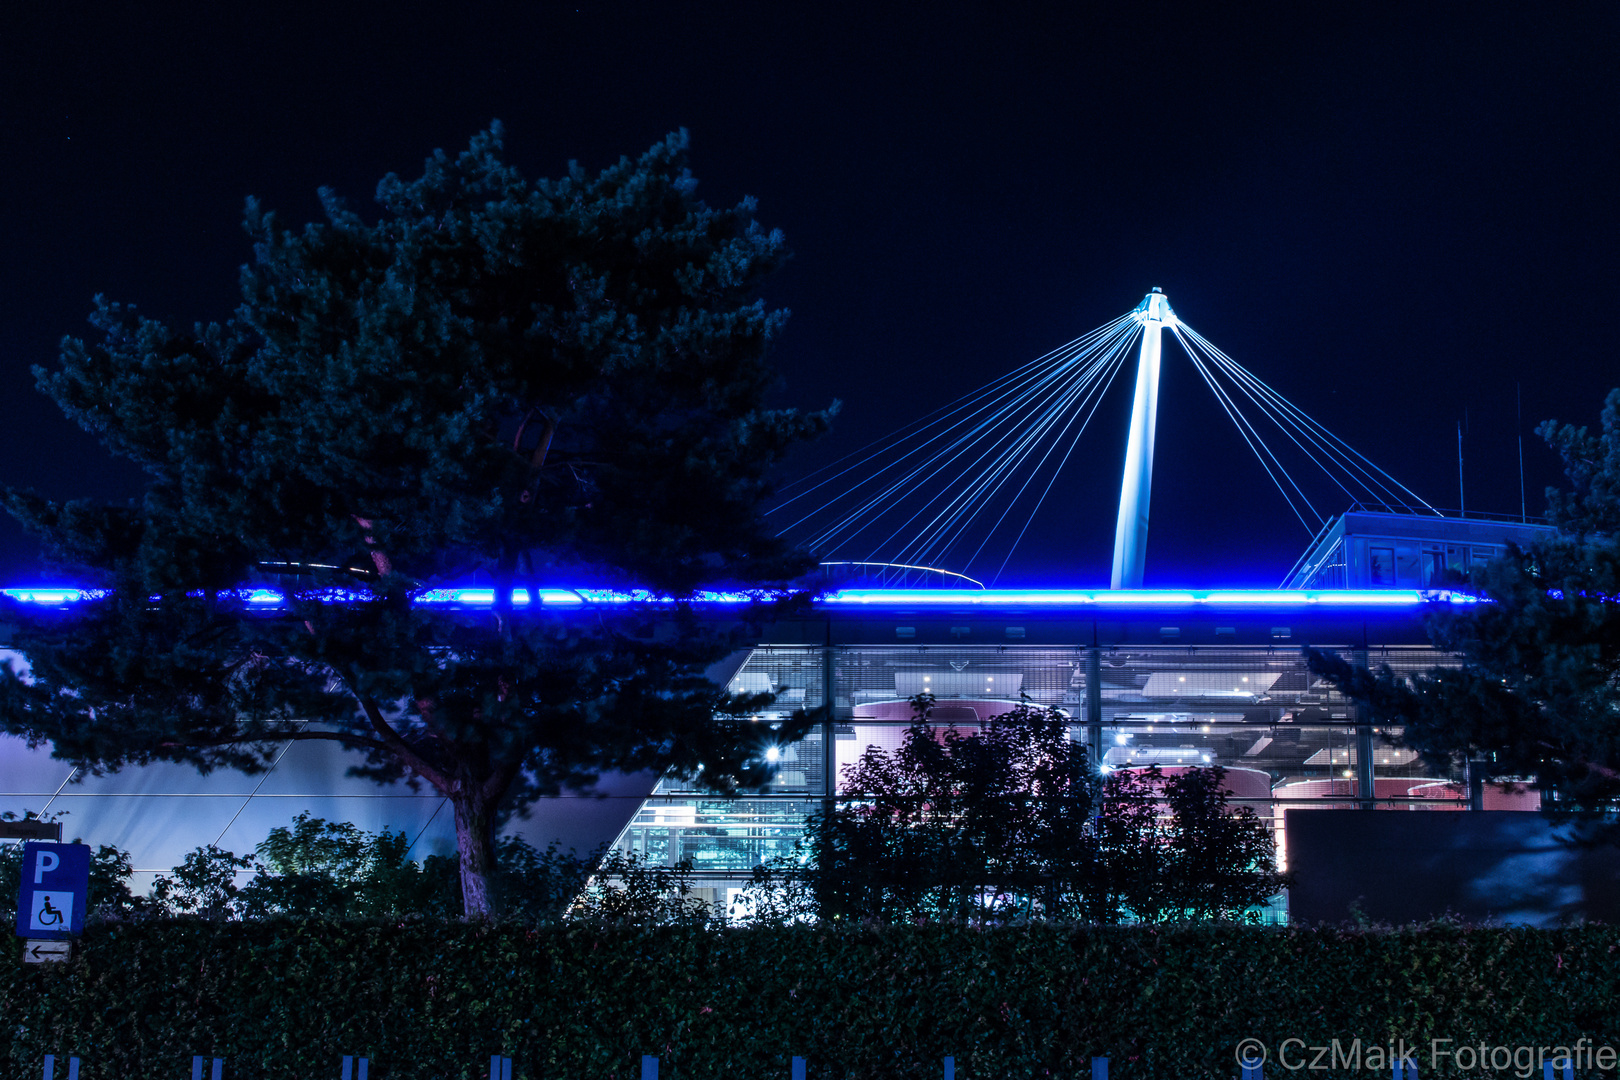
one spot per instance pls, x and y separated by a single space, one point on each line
500 781
399 747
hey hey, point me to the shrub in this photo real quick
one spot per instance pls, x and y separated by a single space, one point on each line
433 999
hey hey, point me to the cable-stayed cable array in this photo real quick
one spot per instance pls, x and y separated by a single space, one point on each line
1352 475
961 486
938 488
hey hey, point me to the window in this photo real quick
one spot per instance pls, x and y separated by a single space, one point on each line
1457 559
1381 567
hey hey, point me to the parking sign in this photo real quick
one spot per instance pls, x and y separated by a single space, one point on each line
55 888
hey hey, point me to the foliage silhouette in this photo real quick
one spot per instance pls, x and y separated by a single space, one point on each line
1536 696
497 381
1010 823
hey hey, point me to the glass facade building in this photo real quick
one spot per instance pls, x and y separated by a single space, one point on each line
1147 677
1167 679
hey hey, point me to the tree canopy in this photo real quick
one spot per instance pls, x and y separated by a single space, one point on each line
492 380
1011 822
1536 693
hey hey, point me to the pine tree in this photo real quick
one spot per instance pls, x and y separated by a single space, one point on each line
1536 695
514 382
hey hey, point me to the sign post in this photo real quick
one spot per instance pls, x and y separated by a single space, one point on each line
55 891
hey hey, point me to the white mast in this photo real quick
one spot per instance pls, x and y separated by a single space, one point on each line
1130 534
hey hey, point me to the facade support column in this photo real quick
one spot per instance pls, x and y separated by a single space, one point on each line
1477 769
1094 706
1365 788
829 726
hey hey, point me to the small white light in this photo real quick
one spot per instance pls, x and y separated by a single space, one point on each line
773 754
1347 772
1120 739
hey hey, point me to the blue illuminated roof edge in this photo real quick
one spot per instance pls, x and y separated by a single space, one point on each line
474 597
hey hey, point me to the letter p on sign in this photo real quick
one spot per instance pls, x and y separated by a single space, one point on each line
44 863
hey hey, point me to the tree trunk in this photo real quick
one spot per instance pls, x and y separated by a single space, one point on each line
474 848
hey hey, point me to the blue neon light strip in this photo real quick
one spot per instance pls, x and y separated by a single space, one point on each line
54 596
1153 598
1096 599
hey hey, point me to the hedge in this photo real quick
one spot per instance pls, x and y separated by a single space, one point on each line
435 1000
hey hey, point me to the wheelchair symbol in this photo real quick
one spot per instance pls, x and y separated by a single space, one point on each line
48 916
51 912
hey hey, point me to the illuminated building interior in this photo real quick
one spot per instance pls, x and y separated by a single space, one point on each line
1152 678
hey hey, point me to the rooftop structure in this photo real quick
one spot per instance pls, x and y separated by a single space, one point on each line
1368 549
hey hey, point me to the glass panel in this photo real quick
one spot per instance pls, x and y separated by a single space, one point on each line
794 676
1381 566
970 684
1408 568
1330 575
716 834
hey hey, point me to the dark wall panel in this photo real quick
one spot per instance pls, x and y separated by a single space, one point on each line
1399 867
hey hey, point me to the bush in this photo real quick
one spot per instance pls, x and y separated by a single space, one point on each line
331 869
321 869
433 999
1010 823
110 871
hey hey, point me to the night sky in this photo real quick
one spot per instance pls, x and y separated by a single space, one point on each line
1394 214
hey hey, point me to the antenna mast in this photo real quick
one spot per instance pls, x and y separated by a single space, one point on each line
1518 393
1462 494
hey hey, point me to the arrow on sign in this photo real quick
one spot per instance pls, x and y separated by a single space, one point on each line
46 952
